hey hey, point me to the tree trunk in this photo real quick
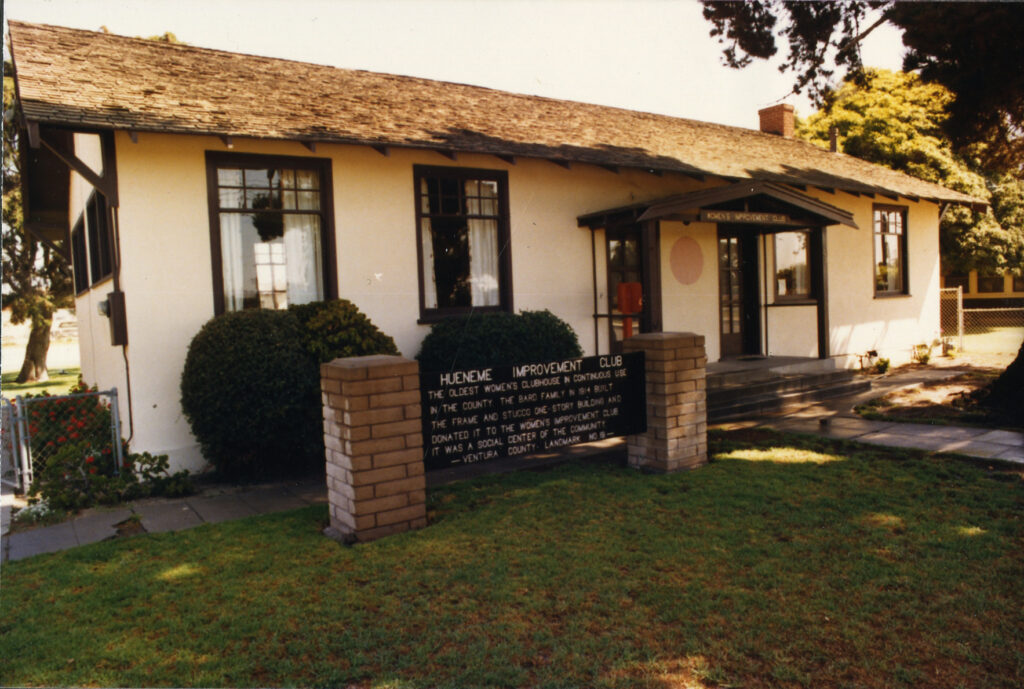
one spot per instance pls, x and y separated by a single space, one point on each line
1005 392
33 370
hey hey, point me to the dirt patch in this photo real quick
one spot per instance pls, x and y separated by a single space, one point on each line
949 401
130 527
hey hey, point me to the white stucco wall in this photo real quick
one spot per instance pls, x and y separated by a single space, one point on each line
858 320
691 306
167 272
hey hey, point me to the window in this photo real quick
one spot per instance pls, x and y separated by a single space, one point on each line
100 256
990 283
462 218
792 265
1018 283
960 280
270 230
79 260
890 250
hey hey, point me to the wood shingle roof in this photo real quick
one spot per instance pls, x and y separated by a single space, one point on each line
70 77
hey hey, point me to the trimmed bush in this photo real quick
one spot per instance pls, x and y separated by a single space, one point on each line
251 393
251 384
332 329
496 339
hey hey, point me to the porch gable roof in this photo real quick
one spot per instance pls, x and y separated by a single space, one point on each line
687 206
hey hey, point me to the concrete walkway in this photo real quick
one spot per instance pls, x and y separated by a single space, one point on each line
836 419
214 504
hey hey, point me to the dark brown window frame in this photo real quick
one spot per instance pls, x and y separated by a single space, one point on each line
101 256
504 239
80 257
215 159
904 289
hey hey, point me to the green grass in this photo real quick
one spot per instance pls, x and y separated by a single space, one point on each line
787 562
60 383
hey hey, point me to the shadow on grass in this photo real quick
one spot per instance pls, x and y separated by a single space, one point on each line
854 566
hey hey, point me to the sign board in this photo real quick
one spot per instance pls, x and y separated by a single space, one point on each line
504 411
745 217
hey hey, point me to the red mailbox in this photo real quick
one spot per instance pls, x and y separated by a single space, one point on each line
631 300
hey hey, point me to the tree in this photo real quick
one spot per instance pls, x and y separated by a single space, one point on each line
37 279
896 119
973 49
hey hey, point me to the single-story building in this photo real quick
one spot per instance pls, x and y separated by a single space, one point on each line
184 182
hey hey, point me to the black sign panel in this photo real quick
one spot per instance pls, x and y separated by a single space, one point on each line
504 411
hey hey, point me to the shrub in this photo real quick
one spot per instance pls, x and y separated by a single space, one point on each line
78 476
882 365
496 339
54 421
73 456
251 384
251 393
332 329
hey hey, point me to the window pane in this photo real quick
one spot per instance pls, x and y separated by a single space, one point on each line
990 283
229 177
307 179
230 198
308 200
792 274
1018 283
957 280
270 269
261 178
288 179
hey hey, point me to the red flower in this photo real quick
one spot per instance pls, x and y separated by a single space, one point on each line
106 450
74 435
92 470
127 465
62 439
90 459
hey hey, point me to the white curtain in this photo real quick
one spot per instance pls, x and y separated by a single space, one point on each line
429 278
482 199
483 261
233 262
302 258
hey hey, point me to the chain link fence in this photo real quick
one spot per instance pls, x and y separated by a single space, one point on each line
36 429
979 330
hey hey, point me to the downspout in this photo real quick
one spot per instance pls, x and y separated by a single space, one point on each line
108 146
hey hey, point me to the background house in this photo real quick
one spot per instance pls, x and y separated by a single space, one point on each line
186 182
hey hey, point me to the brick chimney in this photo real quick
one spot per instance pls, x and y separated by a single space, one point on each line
778 119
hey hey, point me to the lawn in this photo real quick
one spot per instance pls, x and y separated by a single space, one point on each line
60 383
787 562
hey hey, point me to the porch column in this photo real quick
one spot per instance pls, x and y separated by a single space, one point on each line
819 276
676 436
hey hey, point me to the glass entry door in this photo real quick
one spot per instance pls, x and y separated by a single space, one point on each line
625 265
738 294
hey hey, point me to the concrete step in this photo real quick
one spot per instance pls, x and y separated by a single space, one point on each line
781 393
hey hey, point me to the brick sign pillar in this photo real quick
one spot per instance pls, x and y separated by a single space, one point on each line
676 436
374 447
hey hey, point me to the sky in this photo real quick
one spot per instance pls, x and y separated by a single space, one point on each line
648 55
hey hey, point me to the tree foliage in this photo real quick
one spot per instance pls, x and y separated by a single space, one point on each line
36 278
973 49
896 119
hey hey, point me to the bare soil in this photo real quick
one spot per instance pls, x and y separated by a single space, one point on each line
950 401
